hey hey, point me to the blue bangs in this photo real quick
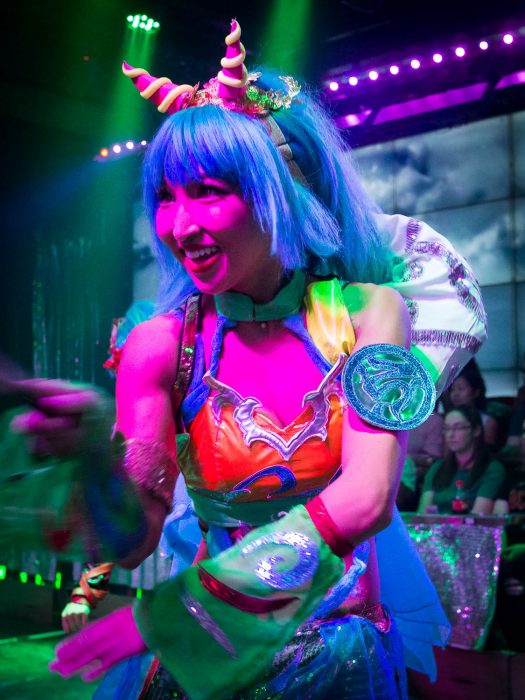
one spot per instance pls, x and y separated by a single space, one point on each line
226 145
238 149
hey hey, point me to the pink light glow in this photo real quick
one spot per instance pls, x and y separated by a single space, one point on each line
437 58
394 70
508 38
350 120
334 86
512 79
130 145
373 75
483 45
116 148
460 52
353 80
431 103
415 63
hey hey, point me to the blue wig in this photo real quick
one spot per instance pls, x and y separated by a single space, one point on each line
326 228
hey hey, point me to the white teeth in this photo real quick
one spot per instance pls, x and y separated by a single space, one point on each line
203 252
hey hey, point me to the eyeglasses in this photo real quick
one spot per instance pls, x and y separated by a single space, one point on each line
456 428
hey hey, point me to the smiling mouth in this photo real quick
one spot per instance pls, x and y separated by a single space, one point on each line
201 258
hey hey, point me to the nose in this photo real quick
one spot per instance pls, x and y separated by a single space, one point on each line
184 224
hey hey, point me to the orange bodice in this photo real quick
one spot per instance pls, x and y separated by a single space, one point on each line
237 450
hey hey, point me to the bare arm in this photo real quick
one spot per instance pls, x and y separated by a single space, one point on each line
501 507
483 506
361 501
144 407
427 499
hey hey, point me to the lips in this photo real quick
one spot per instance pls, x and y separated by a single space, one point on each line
200 258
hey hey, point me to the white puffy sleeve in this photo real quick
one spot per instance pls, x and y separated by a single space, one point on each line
443 297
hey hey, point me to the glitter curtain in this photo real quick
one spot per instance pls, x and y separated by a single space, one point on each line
462 557
83 278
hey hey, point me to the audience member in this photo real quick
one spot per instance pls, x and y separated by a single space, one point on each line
467 479
469 389
510 609
425 445
518 413
511 498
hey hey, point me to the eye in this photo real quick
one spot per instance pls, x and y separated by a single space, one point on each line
205 190
165 194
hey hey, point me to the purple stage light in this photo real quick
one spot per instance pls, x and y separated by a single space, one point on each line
394 70
130 145
508 38
334 86
415 63
460 52
437 58
350 120
116 148
512 79
353 80
373 75
483 45
431 103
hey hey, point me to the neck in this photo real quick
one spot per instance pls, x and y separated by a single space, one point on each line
465 458
286 301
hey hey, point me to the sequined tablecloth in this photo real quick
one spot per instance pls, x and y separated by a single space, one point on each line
462 557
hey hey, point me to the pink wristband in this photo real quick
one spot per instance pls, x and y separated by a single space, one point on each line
327 528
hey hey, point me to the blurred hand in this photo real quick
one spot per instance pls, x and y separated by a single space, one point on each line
63 416
75 616
99 646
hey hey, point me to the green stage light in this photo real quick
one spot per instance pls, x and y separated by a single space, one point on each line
3 572
147 24
58 580
286 35
23 576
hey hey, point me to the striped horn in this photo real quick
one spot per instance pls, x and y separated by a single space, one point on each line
168 97
233 76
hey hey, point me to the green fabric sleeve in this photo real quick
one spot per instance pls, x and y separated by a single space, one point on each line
213 648
428 479
492 480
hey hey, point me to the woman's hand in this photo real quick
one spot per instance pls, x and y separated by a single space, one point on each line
63 416
75 616
99 646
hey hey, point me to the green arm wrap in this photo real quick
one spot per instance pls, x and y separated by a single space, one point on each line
213 648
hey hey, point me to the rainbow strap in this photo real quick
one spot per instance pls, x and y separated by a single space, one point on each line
385 384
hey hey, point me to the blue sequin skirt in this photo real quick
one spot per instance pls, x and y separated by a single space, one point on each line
347 658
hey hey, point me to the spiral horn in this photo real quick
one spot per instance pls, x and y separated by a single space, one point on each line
233 76
168 97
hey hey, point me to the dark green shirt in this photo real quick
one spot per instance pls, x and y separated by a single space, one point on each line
487 486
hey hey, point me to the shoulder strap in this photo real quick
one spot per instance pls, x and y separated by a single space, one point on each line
187 350
327 319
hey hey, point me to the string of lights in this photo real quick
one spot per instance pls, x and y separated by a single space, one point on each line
365 77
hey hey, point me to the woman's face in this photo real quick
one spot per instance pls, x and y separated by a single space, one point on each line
459 434
211 231
461 393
